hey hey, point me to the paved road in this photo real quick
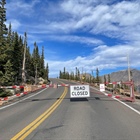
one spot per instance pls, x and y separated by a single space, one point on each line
96 118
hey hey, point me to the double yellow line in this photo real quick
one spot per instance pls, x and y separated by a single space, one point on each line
32 126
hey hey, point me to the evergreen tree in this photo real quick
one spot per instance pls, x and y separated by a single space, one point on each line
42 67
14 52
67 75
76 74
97 76
93 78
3 34
28 63
60 74
47 71
35 61
109 80
3 28
21 46
9 41
72 75
16 55
8 77
105 79
64 74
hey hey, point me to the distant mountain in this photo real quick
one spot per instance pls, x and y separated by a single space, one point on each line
123 76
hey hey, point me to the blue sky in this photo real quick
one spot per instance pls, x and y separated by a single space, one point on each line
86 34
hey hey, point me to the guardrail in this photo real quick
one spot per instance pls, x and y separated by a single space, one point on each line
26 89
7 87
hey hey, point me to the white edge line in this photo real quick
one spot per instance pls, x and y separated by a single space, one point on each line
119 101
127 105
21 100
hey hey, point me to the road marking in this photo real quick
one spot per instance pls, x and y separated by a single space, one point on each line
32 126
22 100
136 111
127 105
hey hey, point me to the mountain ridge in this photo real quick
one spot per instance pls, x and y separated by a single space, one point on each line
122 75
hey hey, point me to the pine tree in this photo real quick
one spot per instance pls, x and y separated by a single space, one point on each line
105 79
16 55
47 72
93 78
28 64
35 61
3 28
109 80
64 74
8 77
72 76
67 76
78 73
14 52
60 74
42 67
97 76
3 34
9 41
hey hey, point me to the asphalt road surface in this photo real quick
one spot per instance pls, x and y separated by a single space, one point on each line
50 115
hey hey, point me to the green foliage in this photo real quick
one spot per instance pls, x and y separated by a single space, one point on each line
4 93
70 76
3 33
45 82
97 76
8 77
77 75
46 73
109 80
104 79
12 48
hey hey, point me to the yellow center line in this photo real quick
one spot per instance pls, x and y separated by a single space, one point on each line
32 126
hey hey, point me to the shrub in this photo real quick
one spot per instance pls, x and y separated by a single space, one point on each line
4 93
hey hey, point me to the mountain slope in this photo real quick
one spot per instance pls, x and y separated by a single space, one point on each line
123 76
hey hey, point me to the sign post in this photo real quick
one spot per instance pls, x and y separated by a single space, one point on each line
79 91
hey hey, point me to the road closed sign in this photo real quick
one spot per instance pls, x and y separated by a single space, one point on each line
79 91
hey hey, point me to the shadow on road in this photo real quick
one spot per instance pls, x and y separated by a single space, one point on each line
78 99
45 99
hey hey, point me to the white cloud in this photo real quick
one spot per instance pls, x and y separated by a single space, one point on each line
20 7
103 57
15 24
126 13
117 55
77 8
71 38
61 21
117 20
